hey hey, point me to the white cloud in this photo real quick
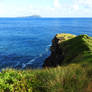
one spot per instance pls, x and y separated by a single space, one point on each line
13 11
56 4
85 3
1 8
77 8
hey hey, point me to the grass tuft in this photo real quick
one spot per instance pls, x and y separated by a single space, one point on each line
71 78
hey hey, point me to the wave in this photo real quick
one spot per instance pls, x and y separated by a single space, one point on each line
38 61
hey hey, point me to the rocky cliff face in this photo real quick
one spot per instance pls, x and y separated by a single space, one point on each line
57 56
68 48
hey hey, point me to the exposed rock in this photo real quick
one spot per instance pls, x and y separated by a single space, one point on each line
56 52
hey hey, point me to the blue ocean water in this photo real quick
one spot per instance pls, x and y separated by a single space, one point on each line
25 43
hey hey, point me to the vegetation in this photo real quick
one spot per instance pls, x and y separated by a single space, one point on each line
77 50
64 37
71 78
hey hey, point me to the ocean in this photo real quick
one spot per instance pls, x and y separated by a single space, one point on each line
25 42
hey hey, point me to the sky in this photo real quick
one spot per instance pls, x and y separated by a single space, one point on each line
46 8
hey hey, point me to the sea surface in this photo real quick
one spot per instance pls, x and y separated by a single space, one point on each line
25 43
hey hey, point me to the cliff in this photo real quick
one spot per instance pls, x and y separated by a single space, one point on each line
68 48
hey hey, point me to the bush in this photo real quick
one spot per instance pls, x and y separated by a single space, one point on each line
71 78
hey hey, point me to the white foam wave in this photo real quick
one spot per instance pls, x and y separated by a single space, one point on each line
30 62
17 64
34 59
23 65
49 45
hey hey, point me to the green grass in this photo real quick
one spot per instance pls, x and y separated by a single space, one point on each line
64 37
77 50
71 78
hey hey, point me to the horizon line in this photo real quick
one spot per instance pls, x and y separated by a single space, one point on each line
41 17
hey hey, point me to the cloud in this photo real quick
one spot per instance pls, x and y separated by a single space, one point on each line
7 10
56 4
87 4
54 8
2 9
76 7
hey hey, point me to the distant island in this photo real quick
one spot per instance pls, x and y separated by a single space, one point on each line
33 16
24 17
30 17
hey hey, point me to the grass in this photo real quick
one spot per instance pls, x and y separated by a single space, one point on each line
77 49
71 78
66 36
62 37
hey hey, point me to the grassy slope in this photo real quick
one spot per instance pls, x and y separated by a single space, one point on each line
64 37
77 50
71 78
